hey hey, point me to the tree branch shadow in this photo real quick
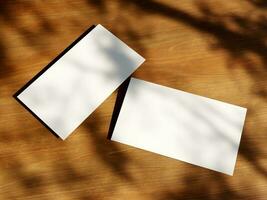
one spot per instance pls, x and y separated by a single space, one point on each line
250 38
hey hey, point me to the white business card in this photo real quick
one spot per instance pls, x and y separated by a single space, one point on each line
180 125
79 81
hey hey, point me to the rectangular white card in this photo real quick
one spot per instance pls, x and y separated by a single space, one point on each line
77 83
180 125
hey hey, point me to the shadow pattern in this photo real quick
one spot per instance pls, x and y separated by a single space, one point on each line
21 157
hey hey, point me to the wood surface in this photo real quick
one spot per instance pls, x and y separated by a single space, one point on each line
216 49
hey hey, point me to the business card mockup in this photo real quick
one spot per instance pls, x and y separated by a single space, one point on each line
79 80
180 125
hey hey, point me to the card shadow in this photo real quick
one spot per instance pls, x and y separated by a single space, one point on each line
117 107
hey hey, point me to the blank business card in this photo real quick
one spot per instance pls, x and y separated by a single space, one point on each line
180 125
79 81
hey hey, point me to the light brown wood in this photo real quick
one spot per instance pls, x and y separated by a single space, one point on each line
217 49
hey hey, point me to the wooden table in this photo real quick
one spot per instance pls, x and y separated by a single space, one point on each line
217 49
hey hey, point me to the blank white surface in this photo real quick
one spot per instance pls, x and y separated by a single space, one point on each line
180 125
70 90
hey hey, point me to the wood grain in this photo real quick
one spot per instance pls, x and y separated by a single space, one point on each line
217 49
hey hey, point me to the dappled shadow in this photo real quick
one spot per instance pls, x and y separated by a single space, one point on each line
247 37
100 4
87 166
252 153
63 173
5 70
243 39
105 149
212 187
31 35
47 166
259 3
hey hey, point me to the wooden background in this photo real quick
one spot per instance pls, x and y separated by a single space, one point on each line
217 49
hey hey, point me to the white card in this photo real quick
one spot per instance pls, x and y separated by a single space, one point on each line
180 125
76 84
